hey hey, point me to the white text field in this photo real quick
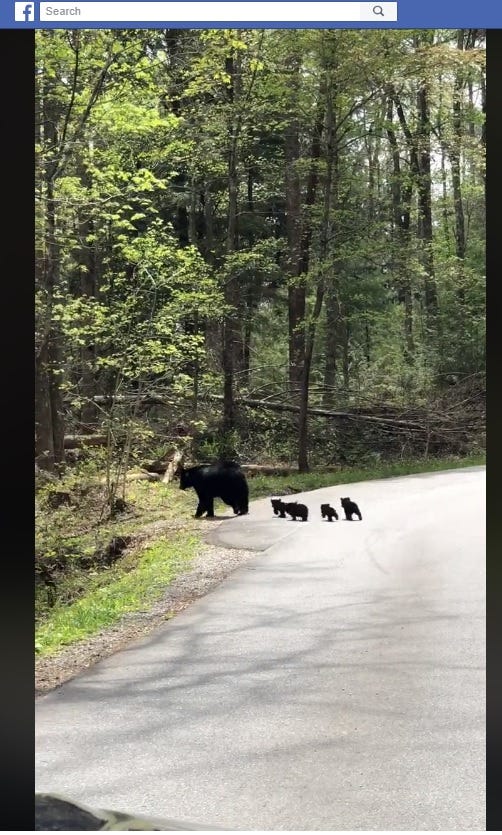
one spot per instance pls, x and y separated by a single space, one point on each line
217 12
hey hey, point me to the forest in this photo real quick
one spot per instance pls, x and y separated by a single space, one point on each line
267 245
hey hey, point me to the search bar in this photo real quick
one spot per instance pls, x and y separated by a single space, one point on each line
219 12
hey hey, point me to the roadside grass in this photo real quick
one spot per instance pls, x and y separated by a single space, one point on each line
119 593
265 485
92 600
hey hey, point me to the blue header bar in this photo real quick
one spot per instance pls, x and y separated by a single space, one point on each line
261 14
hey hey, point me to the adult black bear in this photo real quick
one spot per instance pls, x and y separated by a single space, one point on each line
224 481
327 512
294 509
350 509
278 507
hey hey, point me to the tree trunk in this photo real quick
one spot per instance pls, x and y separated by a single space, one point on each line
326 94
331 195
231 286
367 343
213 334
401 212
49 437
345 353
88 288
444 185
425 203
247 331
331 343
301 336
419 147
208 225
483 127
456 178
296 288
44 438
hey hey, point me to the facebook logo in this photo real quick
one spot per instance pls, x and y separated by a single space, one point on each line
24 12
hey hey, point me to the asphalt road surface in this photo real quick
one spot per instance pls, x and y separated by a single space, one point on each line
334 682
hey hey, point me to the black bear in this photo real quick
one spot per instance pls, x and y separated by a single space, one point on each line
327 512
224 481
350 509
294 509
278 507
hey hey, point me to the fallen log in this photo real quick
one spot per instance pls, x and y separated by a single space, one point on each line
274 406
287 407
136 475
80 441
160 467
428 425
157 467
172 467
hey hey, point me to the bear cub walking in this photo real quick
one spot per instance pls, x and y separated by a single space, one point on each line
294 509
327 512
350 509
278 507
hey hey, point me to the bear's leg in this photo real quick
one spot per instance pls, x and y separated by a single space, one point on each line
209 503
200 509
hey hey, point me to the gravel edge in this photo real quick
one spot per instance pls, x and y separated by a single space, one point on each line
210 567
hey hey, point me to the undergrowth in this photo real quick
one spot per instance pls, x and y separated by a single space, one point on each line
117 594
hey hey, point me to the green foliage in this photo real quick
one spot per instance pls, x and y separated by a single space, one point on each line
148 140
155 567
137 134
216 445
72 554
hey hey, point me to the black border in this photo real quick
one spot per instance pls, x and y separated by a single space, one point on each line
16 507
494 532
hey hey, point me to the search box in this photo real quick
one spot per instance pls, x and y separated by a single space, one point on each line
220 12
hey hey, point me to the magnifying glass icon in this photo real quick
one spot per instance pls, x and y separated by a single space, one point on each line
378 10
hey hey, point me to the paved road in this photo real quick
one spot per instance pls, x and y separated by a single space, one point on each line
335 682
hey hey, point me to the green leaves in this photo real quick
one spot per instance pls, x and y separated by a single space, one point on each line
149 140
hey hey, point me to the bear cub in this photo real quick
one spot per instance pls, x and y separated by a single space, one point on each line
350 509
327 512
294 509
278 508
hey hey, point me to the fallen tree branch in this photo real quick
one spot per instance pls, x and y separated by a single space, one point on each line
79 441
172 467
153 399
